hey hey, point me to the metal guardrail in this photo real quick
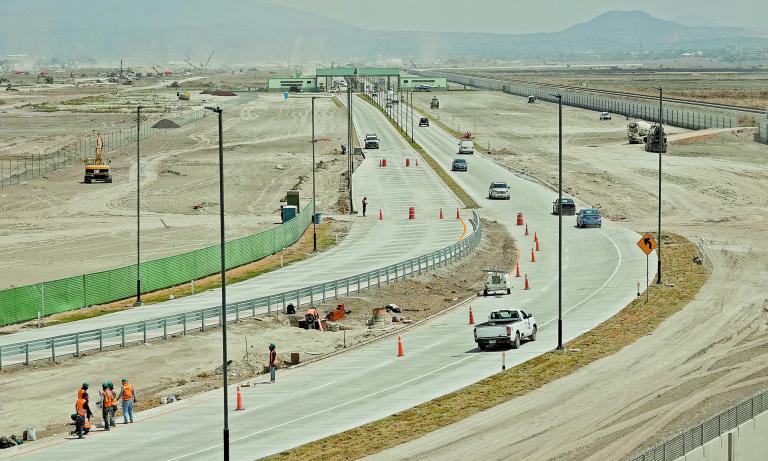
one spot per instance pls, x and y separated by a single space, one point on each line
698 435
162 327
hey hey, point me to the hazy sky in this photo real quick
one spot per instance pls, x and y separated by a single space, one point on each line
520 16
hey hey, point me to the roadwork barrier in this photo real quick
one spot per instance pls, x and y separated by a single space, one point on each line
27 302
75 344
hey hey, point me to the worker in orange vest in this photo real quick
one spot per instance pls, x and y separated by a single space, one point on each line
272 362
128 397
112 410
106 404
83 412
311 316
83 389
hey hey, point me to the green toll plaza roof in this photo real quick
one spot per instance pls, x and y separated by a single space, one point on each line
359 71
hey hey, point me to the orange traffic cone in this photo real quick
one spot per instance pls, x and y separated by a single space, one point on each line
533 256
441 213
527 286
535 237
381 215
537 245
407 162
517 269
458 215
240 405
400 352
526 230
471 316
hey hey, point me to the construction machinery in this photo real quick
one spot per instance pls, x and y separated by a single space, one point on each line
637 131
45 78
183 95
435 104
531 99
96 170
656 141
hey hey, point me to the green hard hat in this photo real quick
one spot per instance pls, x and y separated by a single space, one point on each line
85 385
104 385
125 380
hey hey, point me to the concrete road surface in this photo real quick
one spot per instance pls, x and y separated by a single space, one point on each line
601 268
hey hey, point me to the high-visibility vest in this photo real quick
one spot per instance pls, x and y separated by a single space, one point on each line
127 392
113 396
272 357
106 399
80 393
312 312
80 407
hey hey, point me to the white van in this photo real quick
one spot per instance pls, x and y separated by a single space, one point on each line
466 146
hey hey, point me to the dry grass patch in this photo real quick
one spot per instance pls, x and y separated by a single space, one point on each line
683 277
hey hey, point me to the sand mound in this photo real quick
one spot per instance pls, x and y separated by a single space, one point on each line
165 123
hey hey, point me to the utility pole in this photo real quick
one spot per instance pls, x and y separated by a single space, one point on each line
138 204
560 224
350 165
661 148
314 209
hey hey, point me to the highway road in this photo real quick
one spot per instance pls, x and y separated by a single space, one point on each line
601 266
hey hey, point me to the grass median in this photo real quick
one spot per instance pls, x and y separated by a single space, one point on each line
684 278
462 195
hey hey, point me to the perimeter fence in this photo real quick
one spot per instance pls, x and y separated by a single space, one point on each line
19 169
50 348
695 437
27 302
694 120
762 132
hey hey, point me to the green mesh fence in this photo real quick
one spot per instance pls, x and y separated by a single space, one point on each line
24 303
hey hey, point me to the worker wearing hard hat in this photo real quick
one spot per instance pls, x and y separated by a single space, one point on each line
311 316
128 397
105 402
272 362
113 409
82 415
83 389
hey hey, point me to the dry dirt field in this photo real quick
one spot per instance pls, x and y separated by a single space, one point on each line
189 365
55 226
703 359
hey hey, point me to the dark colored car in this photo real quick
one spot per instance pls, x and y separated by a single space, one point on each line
423 121
459 165
569 208
589 217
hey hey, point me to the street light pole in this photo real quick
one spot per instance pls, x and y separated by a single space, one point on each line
138 207
314 210
661 147
560 223
350 161
412 117
220 111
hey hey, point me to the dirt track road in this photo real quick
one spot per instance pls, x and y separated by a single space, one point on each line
710 355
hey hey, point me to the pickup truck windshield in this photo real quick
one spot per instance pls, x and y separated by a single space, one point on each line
505 315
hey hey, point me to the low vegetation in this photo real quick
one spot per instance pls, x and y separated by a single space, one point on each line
684 278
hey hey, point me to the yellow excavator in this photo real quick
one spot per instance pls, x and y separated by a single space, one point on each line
95 168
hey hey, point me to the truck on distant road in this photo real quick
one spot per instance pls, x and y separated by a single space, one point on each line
371 141
506 327
637 130
656 139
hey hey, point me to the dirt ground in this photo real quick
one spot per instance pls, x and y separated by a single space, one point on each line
189 365
703 359
55 226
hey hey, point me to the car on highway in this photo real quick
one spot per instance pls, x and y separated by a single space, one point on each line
466 146
423 121
371 141
506 327
589 217
567 205
423 88
498 190
459 165
605 116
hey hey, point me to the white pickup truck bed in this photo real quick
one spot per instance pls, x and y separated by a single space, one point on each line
506 327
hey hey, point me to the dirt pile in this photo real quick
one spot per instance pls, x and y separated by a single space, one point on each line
218 93
165 123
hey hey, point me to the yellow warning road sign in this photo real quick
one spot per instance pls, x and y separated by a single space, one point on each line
647 243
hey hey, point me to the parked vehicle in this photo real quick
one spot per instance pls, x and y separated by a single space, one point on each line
459 165
589 217
466 146
423 121
435 103
531 99
567 205
506 327
496 280
498 190
605 116
371 141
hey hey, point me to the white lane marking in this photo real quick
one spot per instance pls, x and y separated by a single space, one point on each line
615 271
327 409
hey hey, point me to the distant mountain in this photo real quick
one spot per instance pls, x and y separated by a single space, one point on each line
242 31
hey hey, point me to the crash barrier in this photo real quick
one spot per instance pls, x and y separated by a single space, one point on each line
27 302
693 120
19 169
697 436
162 327
762 132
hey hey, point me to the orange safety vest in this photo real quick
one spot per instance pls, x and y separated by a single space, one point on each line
80 407
312 312
113 396
106 397
272 357
80 393
127 392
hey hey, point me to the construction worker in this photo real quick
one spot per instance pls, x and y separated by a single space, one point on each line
272 362
128 397
105 402
311 316
365 205
112 410
83 389
83 413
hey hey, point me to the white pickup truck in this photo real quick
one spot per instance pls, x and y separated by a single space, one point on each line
507 327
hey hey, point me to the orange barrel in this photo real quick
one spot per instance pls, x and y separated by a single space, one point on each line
407 162
519 219
411 213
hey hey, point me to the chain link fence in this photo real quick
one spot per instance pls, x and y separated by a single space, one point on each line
27 302
762 132
686 441
20 169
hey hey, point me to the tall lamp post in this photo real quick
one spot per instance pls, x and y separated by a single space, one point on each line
220 111
560 223
661 148
138 207
314 210
411 104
